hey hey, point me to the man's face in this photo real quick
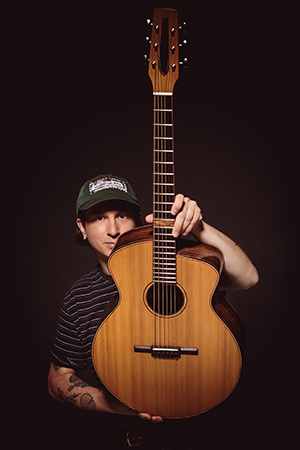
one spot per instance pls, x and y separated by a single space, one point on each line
104 223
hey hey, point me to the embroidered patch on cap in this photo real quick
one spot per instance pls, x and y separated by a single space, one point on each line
107 183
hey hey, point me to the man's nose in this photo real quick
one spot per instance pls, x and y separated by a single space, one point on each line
113 228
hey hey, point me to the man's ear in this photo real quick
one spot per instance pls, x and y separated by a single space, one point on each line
81 228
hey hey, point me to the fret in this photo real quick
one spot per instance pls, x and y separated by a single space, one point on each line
166 264
164 138
163 173
161 211
163 93
163 151
164 162
160 258
164 110
164 276
165 203
163 124
157 276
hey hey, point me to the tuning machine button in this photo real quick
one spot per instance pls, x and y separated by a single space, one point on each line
185 63
183 45
183 27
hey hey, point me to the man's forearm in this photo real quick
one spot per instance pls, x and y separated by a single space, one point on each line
238 270
65 386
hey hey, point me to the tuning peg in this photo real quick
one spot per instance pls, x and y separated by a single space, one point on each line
149 23
183 27
146 60
185 63
183 45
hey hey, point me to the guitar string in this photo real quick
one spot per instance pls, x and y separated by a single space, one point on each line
155 299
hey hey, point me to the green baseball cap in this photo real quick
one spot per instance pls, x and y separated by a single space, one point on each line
102 188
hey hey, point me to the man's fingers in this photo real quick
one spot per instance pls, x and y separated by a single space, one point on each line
177 205
146 416
149 218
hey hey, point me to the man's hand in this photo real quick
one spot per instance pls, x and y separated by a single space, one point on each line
188 215
146 416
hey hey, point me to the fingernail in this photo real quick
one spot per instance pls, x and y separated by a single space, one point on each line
175 234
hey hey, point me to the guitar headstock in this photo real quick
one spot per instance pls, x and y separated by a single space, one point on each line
164 50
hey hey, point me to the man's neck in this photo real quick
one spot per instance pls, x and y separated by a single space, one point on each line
103 264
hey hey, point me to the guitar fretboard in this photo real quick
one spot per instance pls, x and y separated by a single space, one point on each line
164 245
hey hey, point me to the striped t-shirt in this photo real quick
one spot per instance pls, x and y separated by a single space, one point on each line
79 320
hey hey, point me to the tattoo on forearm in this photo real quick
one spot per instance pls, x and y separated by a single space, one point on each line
77 382
87 402
84 401
72 399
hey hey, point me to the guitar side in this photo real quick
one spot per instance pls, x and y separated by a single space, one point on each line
179 387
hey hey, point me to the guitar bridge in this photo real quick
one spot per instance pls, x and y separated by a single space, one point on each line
165 352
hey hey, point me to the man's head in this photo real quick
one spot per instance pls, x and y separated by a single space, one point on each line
106 207
102 188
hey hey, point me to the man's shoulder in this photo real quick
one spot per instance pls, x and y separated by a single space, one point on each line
88 283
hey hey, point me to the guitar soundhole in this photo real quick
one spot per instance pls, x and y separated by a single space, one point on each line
165 299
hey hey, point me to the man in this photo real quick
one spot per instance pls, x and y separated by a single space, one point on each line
106 208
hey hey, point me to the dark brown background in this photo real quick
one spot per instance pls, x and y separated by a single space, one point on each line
81 103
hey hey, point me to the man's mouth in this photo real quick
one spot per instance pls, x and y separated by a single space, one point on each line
110 244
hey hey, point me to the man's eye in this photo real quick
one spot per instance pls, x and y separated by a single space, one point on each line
100 218
123 216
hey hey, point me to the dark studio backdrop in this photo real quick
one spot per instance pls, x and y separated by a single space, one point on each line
82 105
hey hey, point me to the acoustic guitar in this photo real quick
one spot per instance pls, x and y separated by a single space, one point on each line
169 344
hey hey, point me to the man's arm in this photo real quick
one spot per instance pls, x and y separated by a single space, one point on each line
65 387
238 271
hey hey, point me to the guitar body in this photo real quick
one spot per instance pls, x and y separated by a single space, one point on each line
173 387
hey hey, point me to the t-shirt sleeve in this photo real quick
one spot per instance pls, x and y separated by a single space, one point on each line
68 349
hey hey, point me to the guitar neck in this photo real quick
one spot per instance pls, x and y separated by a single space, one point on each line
164 245
163 72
